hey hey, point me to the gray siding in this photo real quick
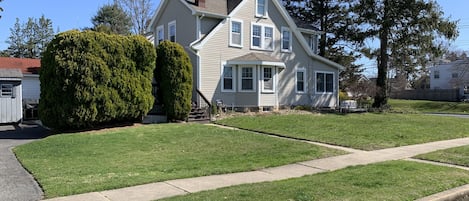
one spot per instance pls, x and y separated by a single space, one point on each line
31 88
11 108
207 24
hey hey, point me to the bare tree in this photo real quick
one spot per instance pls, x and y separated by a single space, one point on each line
460 73
140 12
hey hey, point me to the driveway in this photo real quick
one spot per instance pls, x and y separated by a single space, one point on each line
15 182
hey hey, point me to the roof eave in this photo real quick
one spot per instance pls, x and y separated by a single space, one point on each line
260 62
209 14
310 31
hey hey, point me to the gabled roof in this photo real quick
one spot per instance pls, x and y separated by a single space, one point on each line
26 66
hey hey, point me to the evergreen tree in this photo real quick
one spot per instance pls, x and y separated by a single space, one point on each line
112 18
406 31
29 40
332 18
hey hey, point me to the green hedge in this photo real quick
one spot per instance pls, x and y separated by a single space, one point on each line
174 75
90 79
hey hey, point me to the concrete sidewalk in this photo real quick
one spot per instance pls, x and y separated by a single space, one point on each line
171 188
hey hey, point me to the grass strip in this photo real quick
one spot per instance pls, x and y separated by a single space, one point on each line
394 180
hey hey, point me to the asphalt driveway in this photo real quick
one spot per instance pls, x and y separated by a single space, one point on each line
15 182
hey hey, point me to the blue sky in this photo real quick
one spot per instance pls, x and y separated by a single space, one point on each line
66 15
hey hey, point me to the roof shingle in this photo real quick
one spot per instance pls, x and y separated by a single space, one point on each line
27 66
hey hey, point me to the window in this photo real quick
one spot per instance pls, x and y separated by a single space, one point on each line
268 38
314 40
247 79
268 79
436 74
228 79
324 82
6 90
236 38
256 36
466 89
286 40
172 31
300 80
261 8
454 75
159 34
262 37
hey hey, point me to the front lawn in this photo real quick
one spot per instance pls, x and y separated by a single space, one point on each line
455 156
85 162
424 106
395 180
361 131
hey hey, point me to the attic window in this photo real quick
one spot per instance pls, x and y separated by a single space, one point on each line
172 31
261 8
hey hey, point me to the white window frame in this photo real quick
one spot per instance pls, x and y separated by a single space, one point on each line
262 37
314 43
241 33
289 48
240 79
159 29
325 82
233 77
305 83
266 6
171 24
273 73
11 93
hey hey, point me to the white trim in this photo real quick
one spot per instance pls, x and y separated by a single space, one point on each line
161 27
262 36
198 27
197 45
301 39
240 78
241 33
290 40
305 82
264 63
325 82
273 73
222 77
161 8
266 8
172 23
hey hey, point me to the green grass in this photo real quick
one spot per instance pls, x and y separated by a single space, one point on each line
361 131
455 156
86 162
395 180
423 106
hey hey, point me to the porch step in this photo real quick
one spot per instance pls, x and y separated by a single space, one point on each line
198 114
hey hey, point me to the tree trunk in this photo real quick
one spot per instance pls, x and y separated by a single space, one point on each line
381 96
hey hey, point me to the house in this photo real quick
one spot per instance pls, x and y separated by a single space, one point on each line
451 75
30 84
10 96
248 53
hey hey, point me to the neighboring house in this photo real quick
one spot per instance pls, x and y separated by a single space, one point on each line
30 92
451 75
249 53
10 96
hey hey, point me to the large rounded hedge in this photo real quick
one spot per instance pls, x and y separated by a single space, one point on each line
90 79
174 75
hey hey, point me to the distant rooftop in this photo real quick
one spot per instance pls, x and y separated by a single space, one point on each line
26 66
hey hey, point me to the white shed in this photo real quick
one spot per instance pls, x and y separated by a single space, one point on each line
11 110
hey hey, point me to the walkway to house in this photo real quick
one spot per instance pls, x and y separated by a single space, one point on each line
15 182
171 188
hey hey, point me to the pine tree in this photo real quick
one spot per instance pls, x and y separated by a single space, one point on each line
406 31
112 18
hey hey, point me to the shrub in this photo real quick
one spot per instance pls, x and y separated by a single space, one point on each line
173 73
343 96
90 79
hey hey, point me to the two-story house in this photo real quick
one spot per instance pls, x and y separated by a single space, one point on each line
451 75
249 53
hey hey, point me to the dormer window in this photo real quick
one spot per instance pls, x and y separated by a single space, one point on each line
313 43
261 8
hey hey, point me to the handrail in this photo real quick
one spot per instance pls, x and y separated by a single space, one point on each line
207 102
